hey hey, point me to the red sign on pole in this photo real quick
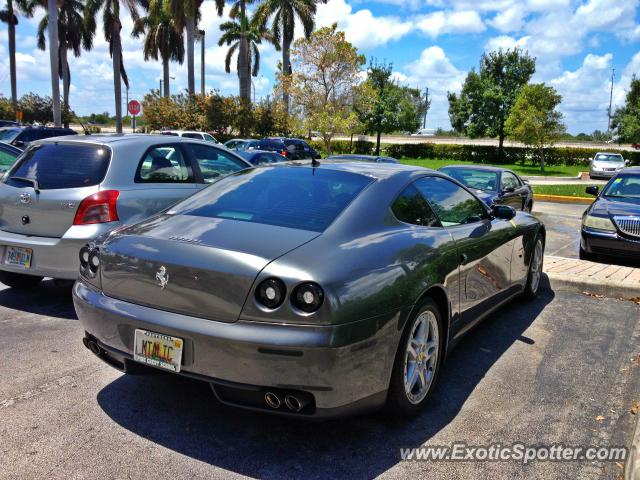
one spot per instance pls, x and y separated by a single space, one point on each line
134 107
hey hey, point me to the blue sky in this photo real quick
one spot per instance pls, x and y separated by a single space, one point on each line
432 43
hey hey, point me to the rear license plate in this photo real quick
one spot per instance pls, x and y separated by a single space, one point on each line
18 257
162 351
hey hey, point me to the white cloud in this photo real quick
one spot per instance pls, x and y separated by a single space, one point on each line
362 27
506 42
508 20
442 22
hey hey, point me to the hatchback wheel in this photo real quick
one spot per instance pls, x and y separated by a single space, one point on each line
19 280
417 361
535 269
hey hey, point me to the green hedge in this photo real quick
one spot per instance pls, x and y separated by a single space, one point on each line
489 154
341 147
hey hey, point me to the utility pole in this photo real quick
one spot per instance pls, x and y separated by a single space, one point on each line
426 108
613 74
202 36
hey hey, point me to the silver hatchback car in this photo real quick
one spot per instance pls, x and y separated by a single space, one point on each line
64 192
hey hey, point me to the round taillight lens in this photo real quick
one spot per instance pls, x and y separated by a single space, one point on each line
271 293
94 262
307 297
84 257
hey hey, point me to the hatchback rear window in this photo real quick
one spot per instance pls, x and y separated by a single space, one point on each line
294 197
56 166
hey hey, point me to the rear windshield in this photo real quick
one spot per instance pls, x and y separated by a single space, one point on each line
474 178
9 134
271 143
293 197
55 166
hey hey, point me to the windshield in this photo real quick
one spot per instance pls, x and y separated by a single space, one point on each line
624 186
292 197
9 134
474 178
7 157
59 165
606 157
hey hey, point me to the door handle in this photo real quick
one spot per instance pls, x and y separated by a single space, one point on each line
464 259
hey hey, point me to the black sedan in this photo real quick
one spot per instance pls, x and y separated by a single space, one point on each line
260 157
494 185
611 225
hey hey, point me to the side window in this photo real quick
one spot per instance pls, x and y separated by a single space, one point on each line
411 207
197 136
452 204
214 162
509 181
209 138
27 136
164 164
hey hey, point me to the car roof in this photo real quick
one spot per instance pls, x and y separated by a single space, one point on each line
608 153
370 169
120 138
364 158
487 168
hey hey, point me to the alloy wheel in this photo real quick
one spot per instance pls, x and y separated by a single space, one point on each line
421 356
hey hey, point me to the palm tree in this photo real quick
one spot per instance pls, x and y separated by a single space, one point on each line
284 13
72 36
162 39
233 34
186 14
8 16
52 7
112 27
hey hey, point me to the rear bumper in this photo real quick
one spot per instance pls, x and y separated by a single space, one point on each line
609 244
53 257
345 368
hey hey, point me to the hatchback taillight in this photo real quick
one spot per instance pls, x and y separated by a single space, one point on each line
283 153
98 208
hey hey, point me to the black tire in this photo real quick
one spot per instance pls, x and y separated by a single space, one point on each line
19 280
532 287
398 403
586 255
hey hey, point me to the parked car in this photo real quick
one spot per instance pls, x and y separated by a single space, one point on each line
308 290
191 134
424 132
606 165
8 155
9 123
292 148
62 193
636 146
260 157
363 158
21 137
242 144
611 225
494 185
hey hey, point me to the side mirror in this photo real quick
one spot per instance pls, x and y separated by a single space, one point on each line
503 212
508 190
627 163
593 190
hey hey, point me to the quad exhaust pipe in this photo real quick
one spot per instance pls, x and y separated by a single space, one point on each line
292 402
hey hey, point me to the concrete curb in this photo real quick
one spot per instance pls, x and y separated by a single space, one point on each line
632 468
563 199
606 288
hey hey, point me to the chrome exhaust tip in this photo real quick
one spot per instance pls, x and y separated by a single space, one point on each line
94 347
272 400
294 403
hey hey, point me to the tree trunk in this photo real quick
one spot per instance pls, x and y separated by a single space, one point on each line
191 65
243 61
12 56
286 70
165 76
66 83
542 159
117 80
52 7
327 145
379 134
501 137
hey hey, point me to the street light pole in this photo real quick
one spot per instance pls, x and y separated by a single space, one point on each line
202 37
613 73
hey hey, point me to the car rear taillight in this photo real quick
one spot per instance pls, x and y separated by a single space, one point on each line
283 153
98 208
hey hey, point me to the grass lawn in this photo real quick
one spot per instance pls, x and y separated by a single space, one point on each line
564 190
527 170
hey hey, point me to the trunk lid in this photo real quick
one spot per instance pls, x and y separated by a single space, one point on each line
203 267
41 193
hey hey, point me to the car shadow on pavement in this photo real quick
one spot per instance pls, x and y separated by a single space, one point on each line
183 415
49 298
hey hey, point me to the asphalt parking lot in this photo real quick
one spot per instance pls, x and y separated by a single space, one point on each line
561 369
563 221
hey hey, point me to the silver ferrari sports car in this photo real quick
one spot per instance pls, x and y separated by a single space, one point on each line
309 290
